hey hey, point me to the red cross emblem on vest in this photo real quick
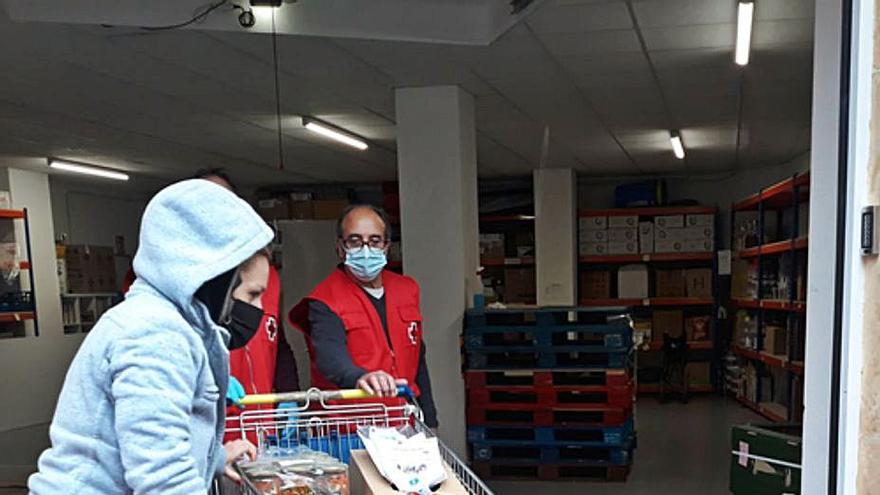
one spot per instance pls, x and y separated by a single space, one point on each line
412 332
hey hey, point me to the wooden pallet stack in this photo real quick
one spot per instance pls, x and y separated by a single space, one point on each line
550 394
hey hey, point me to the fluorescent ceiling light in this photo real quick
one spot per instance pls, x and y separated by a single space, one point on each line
87 170
744 31
677 146
332 133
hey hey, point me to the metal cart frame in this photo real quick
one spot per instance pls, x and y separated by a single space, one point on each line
328 421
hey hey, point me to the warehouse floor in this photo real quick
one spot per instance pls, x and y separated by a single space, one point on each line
683 449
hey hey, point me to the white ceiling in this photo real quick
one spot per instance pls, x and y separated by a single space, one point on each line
609 78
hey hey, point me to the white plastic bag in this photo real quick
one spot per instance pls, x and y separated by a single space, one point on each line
410 461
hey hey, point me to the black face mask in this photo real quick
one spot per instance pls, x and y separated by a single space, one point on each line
243 321
240 318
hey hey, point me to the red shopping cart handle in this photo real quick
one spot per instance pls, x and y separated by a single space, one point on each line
318 395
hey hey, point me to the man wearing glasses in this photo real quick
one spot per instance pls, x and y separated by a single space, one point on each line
363 322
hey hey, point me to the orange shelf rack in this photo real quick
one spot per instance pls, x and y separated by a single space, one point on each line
771 304
12 214
15 316
779 194
775 248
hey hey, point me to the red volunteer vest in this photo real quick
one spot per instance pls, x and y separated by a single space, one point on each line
254 364
366 340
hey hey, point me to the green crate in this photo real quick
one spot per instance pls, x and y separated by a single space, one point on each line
751 477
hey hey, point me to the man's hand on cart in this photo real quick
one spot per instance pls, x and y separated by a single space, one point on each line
235 450
380 384
234 393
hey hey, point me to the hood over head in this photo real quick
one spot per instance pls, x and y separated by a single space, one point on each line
191 232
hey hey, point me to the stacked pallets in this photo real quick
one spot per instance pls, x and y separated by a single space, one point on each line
550 394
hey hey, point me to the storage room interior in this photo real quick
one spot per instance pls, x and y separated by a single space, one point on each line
527 154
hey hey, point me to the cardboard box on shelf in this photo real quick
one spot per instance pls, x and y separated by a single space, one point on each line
698 246
669 234
593 223
698 233
632 282
274 208
365 479
90 269
669 283
623 222
328 209
626 247
595 284
5 200
593 248
623 235
519 285
698 282
669 221
697 327
593 236
301 210
775 340
701 220
492 245
523 243
668 246
668 322
699 373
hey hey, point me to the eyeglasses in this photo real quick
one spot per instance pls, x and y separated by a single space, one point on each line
355 242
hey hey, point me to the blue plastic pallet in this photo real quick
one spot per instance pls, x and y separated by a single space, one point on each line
592 456
599 436
546 317
600 336
545 359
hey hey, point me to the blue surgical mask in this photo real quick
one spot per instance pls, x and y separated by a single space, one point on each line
366 263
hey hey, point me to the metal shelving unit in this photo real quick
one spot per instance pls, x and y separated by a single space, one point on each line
699 351
18 306
773 200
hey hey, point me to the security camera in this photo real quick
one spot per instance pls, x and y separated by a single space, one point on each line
247 19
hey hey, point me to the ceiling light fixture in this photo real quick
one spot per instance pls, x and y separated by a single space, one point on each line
80 168
744 18
677 146
335 133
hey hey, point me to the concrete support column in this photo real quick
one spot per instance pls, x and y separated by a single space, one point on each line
556 236
437 171
31 190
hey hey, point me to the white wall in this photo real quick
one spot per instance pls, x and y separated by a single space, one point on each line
88 214
720 190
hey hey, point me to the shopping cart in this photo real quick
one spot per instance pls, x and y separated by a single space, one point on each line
327 421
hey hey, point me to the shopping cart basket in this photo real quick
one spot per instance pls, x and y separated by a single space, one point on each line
327 421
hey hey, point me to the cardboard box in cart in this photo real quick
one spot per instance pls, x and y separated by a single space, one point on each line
366 480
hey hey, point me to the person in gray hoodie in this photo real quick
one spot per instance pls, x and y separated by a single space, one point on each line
142 408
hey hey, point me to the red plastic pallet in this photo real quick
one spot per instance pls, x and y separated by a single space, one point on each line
550 472
535 415
549 397
547 378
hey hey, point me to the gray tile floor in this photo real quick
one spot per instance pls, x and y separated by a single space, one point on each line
683 450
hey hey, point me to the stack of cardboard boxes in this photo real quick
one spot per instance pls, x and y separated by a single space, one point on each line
88 270
625 234
300 206
515 282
